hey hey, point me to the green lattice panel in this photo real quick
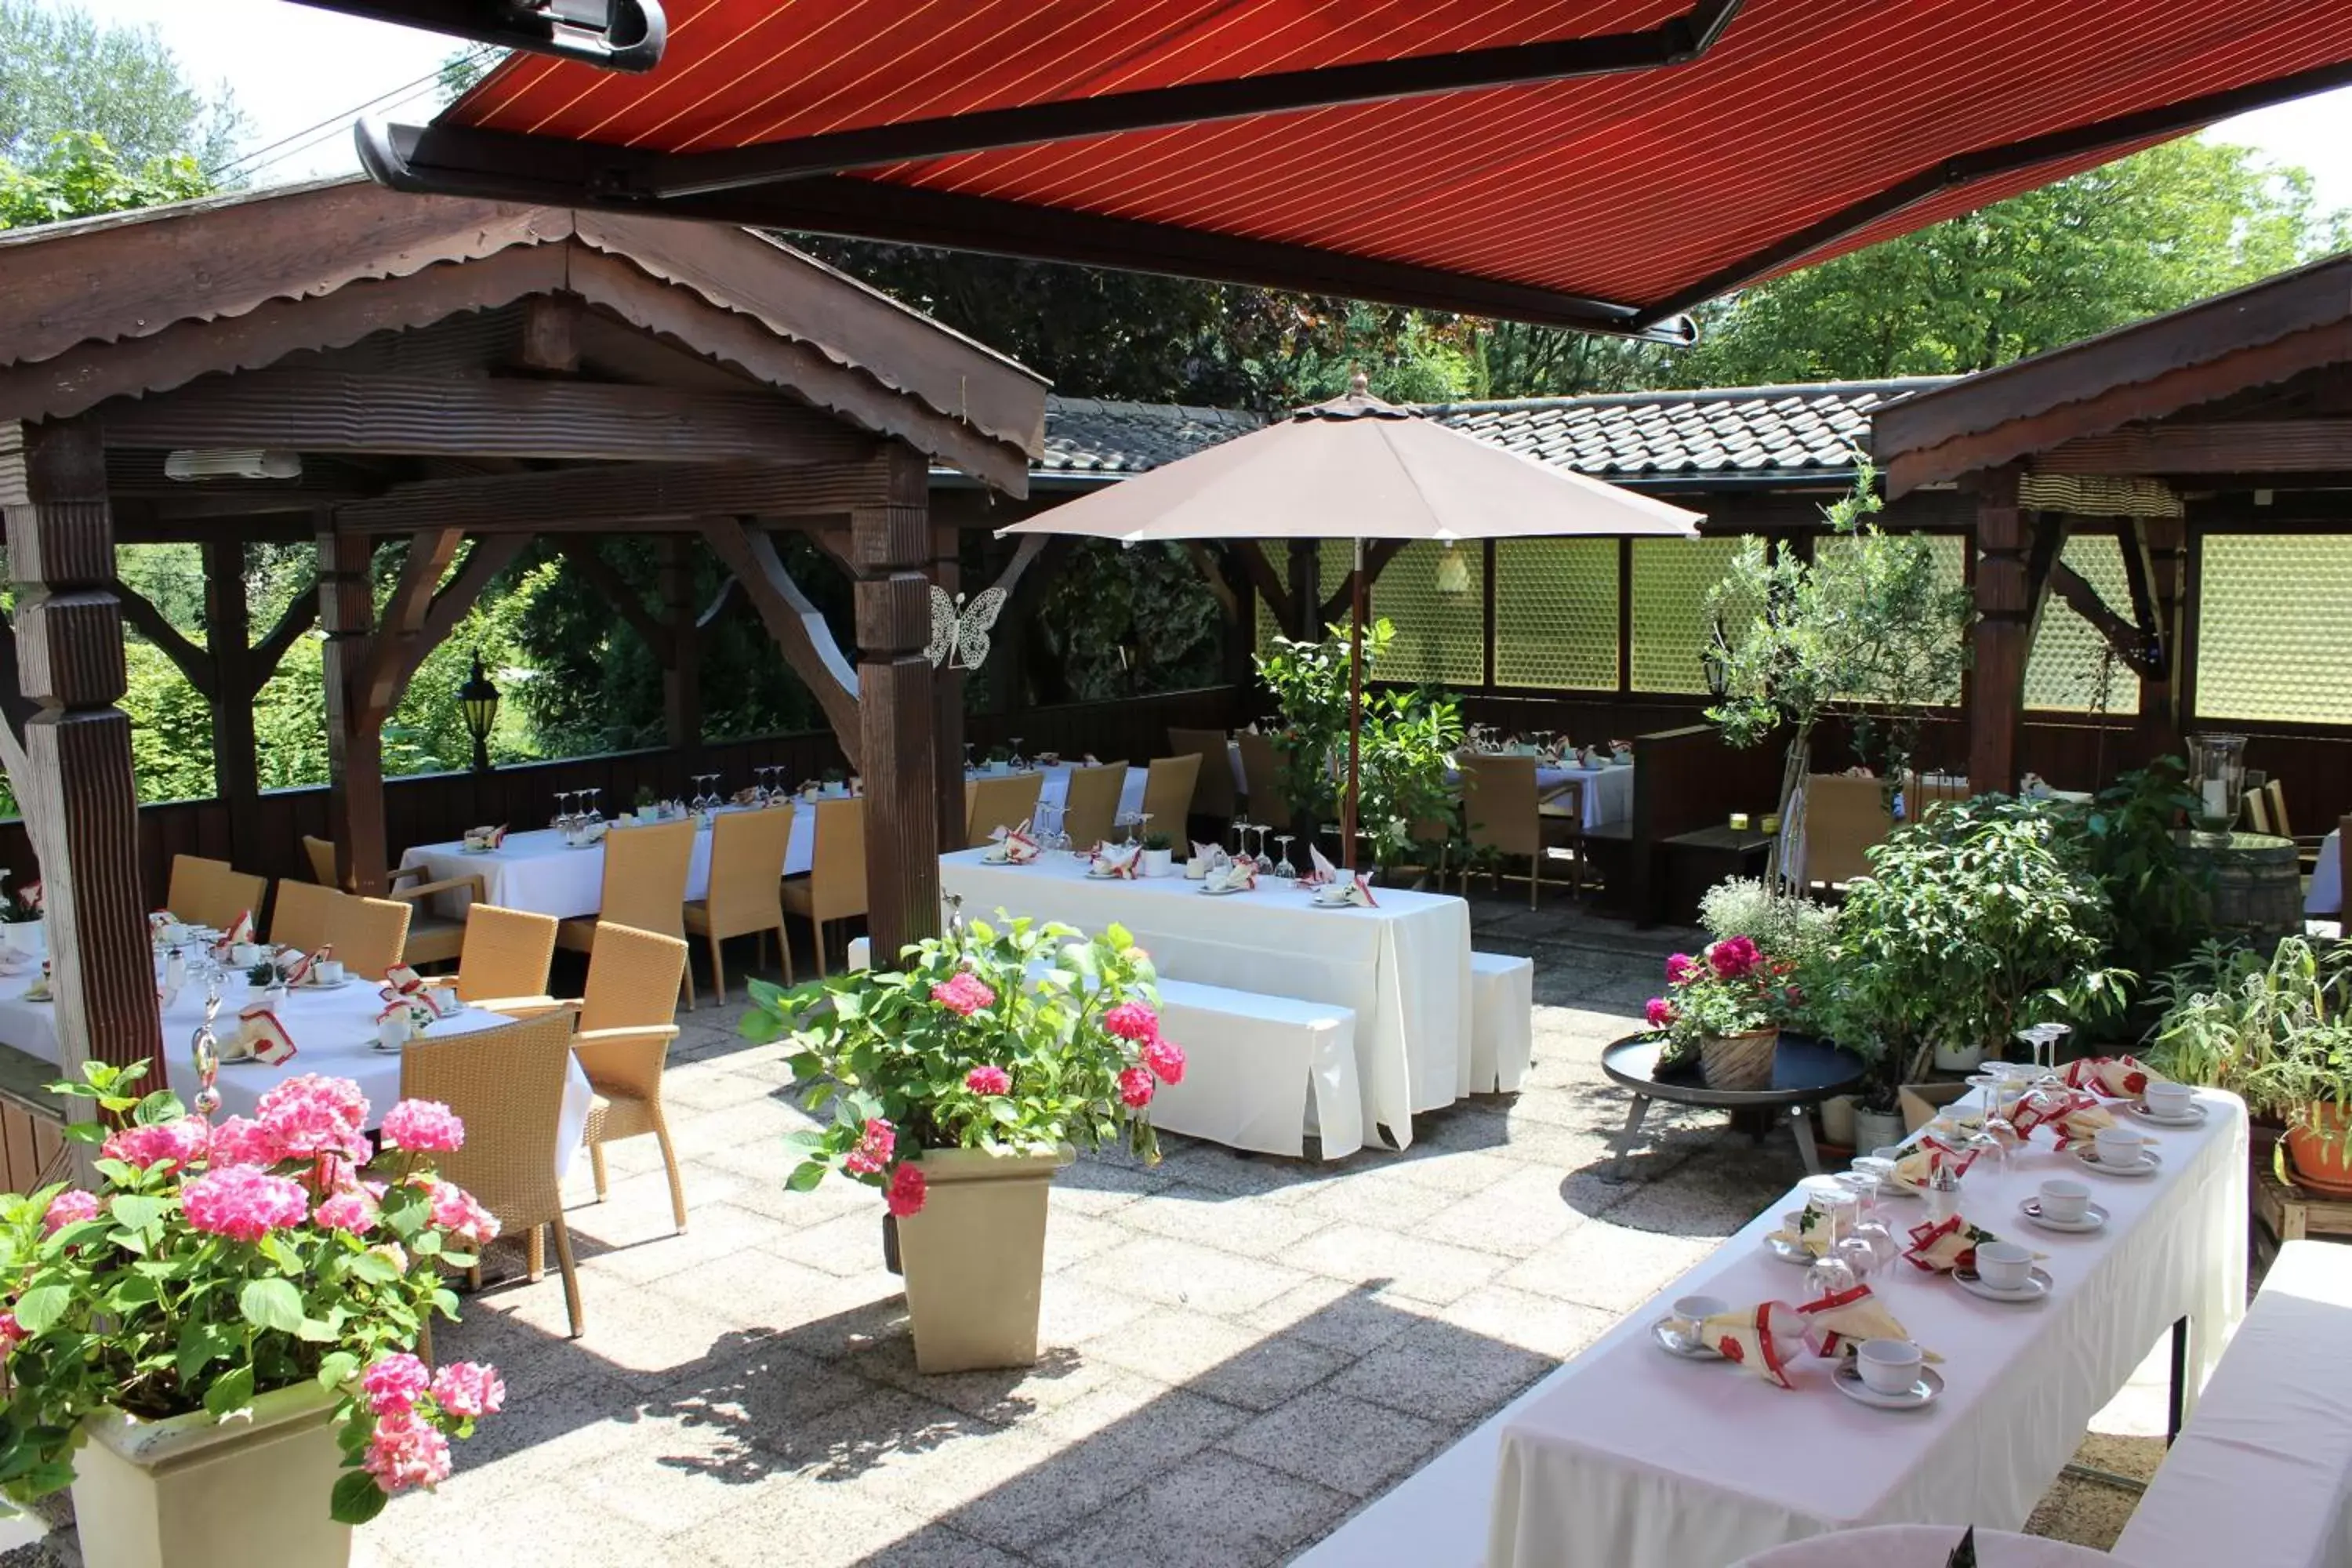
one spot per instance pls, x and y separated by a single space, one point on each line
2068 652
2270 628
1555 612
1671 579
1440 637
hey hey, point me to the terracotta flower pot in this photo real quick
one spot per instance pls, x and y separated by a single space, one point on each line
1738 1061
975 1256
194 1493
2320 1146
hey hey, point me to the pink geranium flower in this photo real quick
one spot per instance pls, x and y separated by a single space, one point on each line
181 1141
1165 1057
965 995
406 1451
1733 957
988 1080
423 1125
874 1150
1132 1021
12 1333
1681 969
242 1203
392 1384
70 1207
1660 1012
314 1114
237 1141
1135 1088
904 1195
468 1388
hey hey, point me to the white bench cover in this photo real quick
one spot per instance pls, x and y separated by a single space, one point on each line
1502 1022
1256 1068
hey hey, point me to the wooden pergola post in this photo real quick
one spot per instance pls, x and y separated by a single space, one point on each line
682 658
74 778
354 748
890 551
237 763
2003 633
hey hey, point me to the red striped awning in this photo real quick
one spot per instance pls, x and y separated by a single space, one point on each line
1593 187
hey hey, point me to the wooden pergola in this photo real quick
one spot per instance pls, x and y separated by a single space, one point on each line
2232 414
465 377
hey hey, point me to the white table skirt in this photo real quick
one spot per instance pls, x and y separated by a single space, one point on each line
1404 967
2264 1474
2326 894
1930 1546
335 1032
1634 1459
1257 1068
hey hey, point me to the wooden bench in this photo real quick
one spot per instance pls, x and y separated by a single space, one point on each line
2262 1472
1259 1070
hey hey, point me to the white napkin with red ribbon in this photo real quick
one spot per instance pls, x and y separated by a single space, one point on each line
300 968
261 1037
1940 1247
1020 848
2073 1116
485 837
403 985
2117 1077
240 929
157 919
1117 860
1239 876
1929 1155
1753 1339
1844 1319
1360 893
1324 872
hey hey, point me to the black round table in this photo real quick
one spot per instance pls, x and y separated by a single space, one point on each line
1805 1072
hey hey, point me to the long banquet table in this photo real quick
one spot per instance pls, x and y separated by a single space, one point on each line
335 1032
1404 967
1634 1459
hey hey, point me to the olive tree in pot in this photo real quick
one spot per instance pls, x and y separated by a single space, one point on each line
958 1084
1972 924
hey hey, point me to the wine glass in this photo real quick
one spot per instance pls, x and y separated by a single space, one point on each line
967 757
1259 858
1241 835
563 798
1283 869
1143 825
595 815
1019 763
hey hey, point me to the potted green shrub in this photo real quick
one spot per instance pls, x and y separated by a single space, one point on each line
958 1084
212 1348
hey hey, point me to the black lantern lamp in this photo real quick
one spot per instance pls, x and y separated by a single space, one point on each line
479 699
1715 660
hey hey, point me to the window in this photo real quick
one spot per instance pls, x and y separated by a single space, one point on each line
1555 612
1671 626
2068 652
2270 628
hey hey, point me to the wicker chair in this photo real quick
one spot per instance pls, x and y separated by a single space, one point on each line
645 871
302 914
747 870
623 1040
834 889
1844 818
1922 795
213 892
506 1085
370 935
1213 792
1168 793
992 803
1090 808
1262 777
2306 847
432 938
503 966
1504 814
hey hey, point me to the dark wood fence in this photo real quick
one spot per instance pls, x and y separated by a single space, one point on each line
428 808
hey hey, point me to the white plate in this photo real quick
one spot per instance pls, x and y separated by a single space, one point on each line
2088 1153
1225 893
2196 1117
1920 1394
326 985
2037 1286
1788 1252
996 859
1674 1343
470 849
2093 1216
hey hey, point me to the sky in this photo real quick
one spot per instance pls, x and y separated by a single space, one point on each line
292 66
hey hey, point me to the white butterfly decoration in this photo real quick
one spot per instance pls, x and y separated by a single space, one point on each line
960 630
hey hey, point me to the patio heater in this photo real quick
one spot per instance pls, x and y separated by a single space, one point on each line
479 701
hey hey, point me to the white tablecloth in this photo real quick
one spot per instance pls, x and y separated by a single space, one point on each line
535 870
1404 967
2264 1474
335 1032
1929 1546
1636 1459
1608 791
2325 895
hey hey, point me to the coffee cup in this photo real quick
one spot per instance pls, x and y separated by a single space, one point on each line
2066 1201
331 972
2170 1098
1889 1366
392 1033
1688 1314
2121 1148
2004 1265
174 934
245 954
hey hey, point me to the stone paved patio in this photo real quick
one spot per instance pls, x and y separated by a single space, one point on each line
1240 1351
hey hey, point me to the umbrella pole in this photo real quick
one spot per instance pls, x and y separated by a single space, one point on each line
1355 709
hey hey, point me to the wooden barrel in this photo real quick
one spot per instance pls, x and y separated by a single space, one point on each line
2257 882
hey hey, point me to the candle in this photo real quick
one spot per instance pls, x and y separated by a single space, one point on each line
1771 822
2217 800
1740 822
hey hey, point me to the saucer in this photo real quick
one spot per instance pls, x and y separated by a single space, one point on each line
1918 1396
996 859
470 849
1674 1343
2037 1285
2088 1153
2093 1216
326 985
1786 1251
1223 892
1323 903
2196 1117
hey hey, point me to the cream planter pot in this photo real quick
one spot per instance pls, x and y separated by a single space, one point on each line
1958 1059
975 1258
194 1493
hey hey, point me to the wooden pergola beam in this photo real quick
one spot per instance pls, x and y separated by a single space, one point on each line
195 663
2219 446
382 671
632 499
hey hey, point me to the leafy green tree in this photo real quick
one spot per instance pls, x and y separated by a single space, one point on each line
79 174
62 70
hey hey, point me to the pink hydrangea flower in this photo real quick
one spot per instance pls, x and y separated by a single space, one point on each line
70 1207
1165 1057
314 1114
408 1451
1681 969
12 1333
237 1141
181 1141
468 1388
1132 1021
1733 957
964 994
1661 1011
424 1125
352 1211
242 1203
1135 1087
394 1383
873 1153
904 1195
455 1210
988 1080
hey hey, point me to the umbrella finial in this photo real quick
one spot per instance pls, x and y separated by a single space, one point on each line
1359 383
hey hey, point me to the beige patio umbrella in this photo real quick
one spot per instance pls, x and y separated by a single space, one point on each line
1356 468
